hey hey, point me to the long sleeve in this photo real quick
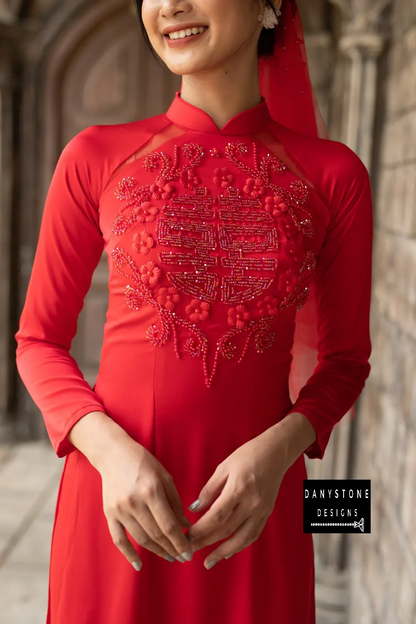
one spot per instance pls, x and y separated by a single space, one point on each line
343 296
69 248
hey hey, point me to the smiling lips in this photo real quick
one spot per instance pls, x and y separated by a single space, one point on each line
188 32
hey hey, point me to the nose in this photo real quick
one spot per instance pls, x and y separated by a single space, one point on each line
171 8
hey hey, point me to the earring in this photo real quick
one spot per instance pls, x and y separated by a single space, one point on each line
269 19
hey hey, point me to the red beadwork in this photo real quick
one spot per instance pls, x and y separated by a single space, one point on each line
223 177
238 316
268 306
143 242
168 297
197 310
222 248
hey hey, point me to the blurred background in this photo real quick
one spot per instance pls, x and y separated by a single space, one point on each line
69 64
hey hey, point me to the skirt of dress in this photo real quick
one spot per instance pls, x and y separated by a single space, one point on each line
270 581
190 429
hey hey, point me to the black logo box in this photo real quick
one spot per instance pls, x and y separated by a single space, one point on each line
337 506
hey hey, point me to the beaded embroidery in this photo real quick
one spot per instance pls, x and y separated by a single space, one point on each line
197 344
217 240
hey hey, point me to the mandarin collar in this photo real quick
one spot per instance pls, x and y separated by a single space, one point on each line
193 118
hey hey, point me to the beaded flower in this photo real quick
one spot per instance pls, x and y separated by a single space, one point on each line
143 242
197 310
168 297
238 316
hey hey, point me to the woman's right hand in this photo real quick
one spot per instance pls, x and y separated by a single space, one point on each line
139 496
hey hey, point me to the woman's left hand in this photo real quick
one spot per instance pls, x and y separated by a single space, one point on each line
246 484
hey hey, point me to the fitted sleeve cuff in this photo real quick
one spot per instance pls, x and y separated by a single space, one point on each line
317 449
61 445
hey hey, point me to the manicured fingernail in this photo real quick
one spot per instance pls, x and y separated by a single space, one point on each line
170 558
181 559
185 519
187 555
210 565
136 565
228 556
195 504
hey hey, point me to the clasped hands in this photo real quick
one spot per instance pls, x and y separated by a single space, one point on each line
241 494
143 508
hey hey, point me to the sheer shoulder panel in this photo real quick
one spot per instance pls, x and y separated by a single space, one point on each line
279 150
159 139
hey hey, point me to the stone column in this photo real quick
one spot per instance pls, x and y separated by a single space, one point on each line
362 41
8 10
8 84
363 38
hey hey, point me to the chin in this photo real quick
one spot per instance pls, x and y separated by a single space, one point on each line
186 68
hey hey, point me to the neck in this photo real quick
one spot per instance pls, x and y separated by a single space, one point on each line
224 92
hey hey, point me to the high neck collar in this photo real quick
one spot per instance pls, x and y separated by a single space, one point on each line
191 117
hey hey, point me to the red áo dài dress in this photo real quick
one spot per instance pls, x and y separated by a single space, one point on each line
214 239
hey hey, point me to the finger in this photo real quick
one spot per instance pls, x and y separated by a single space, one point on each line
222 531
154 538
167 525
247 533
142 538
215 516
211 490
174 500
120 539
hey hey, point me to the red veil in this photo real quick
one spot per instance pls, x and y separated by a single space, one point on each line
292 102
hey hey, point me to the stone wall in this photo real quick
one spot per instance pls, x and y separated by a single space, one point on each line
383 565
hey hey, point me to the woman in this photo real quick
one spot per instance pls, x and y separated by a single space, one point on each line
226 228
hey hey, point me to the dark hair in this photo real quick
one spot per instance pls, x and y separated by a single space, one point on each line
266 40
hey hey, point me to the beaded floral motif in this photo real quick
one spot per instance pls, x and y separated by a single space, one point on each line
143 242
260 180
220 245
240 319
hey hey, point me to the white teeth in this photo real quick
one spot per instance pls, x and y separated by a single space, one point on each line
181 34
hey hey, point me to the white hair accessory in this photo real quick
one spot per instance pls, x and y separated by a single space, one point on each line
269 19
